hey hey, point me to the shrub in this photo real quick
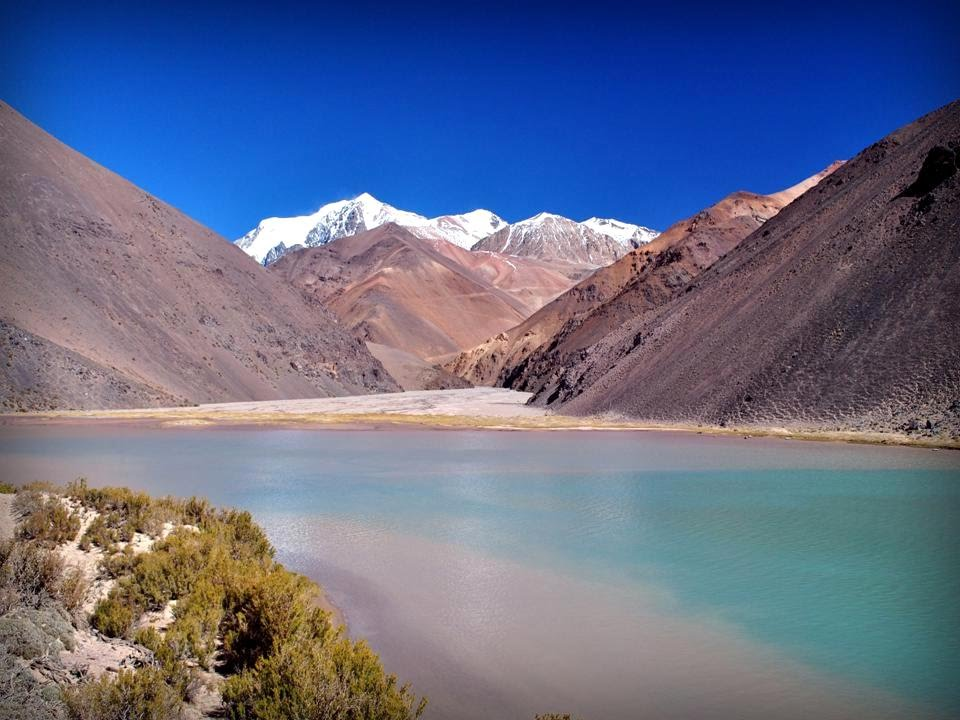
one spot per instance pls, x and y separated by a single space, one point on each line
7 489
32 632
244 537
101 534
309 682
266 611
49 521
21 636
169 660
112 616
132 695
119 564
29 573
198 618
72 591
288 659
125 511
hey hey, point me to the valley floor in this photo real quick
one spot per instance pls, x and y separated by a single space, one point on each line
479 408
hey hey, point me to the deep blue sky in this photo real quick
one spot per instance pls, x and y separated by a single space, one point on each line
233 112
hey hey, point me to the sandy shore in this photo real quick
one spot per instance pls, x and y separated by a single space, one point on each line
479 408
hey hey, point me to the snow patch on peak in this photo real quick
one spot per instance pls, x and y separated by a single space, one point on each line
275 236
625 233
542 217
466 229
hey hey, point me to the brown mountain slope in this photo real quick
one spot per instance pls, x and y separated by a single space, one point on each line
842 312
644 278
110 298
427 297
412 373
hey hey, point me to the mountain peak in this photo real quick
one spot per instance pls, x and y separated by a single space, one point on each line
625 233
275 236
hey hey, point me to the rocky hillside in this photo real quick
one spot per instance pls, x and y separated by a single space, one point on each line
840 312
645 278
111 298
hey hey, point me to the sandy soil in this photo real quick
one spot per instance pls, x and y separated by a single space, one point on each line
6 517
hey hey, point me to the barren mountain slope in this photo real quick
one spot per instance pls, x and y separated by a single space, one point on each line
427 297
413 373
644 278
841 312
110 298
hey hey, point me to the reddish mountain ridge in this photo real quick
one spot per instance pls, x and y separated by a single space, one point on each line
642 279
111 298
426 297
840 313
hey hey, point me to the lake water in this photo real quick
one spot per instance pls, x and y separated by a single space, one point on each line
610 575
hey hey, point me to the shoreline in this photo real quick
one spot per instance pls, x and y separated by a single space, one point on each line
198 418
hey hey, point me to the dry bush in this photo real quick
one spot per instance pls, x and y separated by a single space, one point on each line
29 573
46 519
72 592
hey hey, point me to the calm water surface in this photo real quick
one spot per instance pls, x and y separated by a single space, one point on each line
613 575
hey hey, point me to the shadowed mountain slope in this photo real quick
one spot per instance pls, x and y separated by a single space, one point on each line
427 297
111 298
642 279
841 312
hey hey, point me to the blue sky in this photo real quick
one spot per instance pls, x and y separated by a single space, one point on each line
233 112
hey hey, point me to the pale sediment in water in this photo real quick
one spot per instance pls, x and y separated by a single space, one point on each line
521 641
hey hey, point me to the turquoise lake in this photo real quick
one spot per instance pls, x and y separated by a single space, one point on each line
604 574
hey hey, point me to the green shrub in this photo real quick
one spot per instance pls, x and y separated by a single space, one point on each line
197 621
7 489
100 534
288 660
119 564
113 616
133 695
309 681
266 611
244 537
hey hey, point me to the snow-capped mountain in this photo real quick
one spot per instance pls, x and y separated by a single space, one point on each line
275 236
624 233
553 237
466 229
594 242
